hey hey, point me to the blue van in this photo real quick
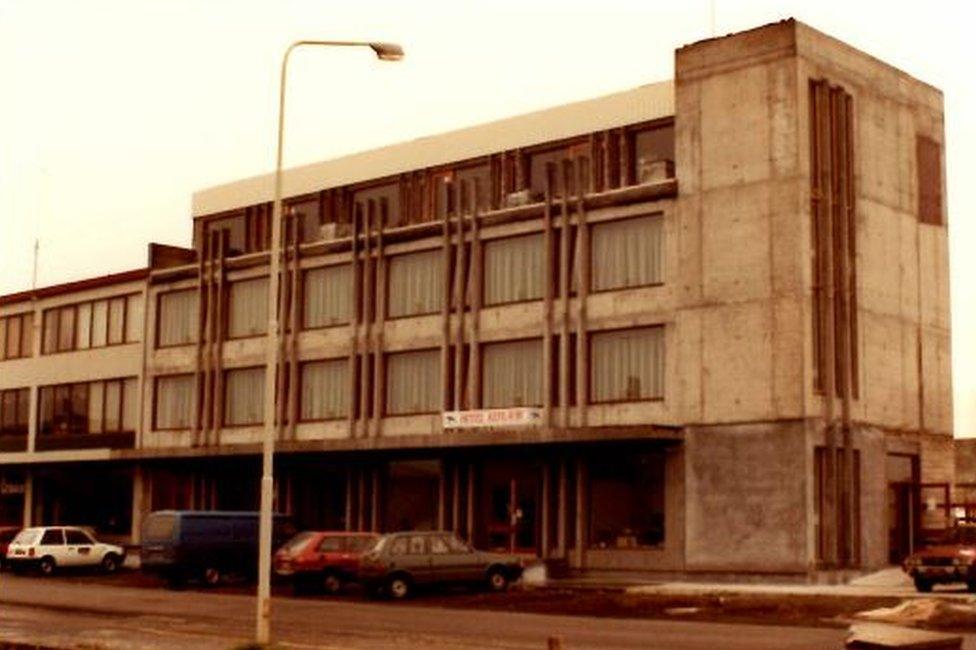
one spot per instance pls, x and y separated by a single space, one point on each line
184 545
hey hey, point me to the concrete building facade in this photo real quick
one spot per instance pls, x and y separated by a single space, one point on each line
698 326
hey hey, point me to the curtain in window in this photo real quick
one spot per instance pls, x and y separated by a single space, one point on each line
413 382
514 269
83 328
50 342
116 320
328 292
627 253
178 317
96 405
174 402
248 308
416 284
130 404
512 374
244 396
325 390
99 335
628 364
113 406
133 318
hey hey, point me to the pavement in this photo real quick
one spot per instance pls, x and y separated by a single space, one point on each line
64 613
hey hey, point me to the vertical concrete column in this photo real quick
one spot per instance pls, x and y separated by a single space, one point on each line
28 517
561 508
456 498
580 519
374 510
32 423
441 498
348 499
470 504
141 501
361 500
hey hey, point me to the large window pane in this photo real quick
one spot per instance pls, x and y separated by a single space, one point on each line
627 497
66 329
83 326
248 308
328 293
512 374
627 364
514 269
133 318
46 409
50 342
116 320
78 420
413 382
130 404
99 323
244 396
325 390
416 284
13 337
96 407
26 335
627 253
177 317
113 406
175 397
3 339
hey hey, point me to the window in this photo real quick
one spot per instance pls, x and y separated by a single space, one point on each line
178 318
399 546
16 336
53 536
413 382
627 501
627 253
416 284
110 406
417 545
627 364
77 538
438 546
512 374
653 150
330 544
236 226
111 321
244 396
324 390
444 202
328 296
514 269
248 308
175 400
383 195
307 215
14 411
928 155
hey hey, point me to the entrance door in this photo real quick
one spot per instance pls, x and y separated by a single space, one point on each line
513 524
903 521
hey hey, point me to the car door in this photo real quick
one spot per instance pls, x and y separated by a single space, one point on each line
79 548
416 561
52 544
454 561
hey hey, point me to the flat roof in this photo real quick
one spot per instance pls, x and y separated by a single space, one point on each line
76 285
644 103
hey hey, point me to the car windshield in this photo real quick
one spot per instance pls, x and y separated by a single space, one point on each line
960 535
377 547
298 543
27 537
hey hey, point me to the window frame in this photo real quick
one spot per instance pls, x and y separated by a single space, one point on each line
485 244
386 387
301 382
155 401
71 387
55 313
594 225
159 318
437 251
303 302
590 400
25 342
223 414
482 362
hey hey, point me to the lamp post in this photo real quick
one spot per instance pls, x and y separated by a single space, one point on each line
384 52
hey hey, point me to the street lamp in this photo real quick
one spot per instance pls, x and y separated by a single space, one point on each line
384 52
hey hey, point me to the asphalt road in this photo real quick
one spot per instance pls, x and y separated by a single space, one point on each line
71 614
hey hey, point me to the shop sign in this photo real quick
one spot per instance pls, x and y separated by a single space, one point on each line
511 417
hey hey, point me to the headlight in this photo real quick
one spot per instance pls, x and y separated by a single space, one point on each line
963 560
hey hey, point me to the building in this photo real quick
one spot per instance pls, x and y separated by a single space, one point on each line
697 326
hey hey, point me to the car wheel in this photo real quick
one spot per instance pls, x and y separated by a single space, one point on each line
922 585
497 580
331 583
110 563
399 587
47 565
211 576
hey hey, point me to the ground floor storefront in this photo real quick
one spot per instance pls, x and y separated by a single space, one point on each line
735 499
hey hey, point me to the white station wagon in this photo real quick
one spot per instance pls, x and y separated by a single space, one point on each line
49 548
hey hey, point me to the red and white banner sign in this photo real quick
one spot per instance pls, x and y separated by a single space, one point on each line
520 416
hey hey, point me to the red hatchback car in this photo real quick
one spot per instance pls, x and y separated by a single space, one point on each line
324 560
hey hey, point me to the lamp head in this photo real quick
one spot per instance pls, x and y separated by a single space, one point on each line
387 51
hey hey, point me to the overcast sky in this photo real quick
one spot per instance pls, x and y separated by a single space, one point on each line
113 113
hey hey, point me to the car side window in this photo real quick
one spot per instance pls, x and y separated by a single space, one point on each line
438 546
399 546
417 545
53 536
456 545
330 544
77 538
359 544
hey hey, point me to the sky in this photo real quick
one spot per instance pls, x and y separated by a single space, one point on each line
113 113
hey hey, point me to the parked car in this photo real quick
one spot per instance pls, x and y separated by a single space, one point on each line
400 562
49 548
326 560
7 533
184 545
952 559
